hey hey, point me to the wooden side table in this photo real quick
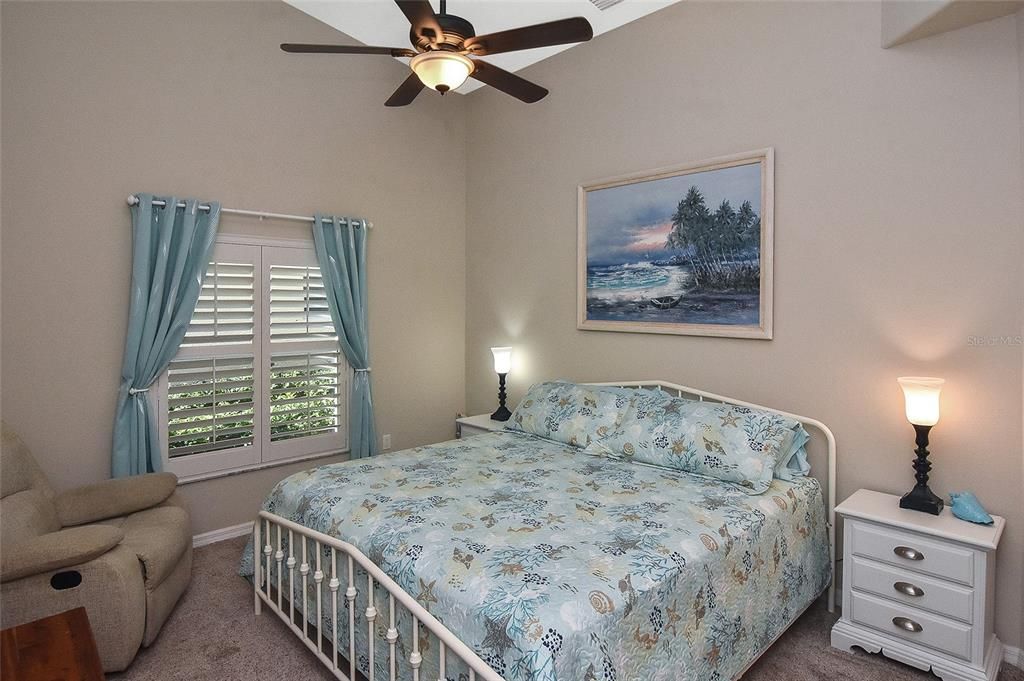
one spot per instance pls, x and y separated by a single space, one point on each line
57 647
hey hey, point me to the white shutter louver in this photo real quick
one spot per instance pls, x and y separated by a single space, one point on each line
209 405
225 312
298 305
305 395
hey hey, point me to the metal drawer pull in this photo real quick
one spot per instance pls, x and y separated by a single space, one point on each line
908 553
908 589
907 624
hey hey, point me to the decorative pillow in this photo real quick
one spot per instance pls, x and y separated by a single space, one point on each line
793 463
739 445
570 413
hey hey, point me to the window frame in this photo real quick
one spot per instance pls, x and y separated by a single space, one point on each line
263 453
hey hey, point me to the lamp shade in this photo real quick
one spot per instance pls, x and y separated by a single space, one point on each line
442 71
922 399
502 360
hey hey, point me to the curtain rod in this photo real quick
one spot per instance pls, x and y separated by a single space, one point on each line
134 201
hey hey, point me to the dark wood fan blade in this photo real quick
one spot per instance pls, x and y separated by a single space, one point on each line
406 92
421 15
575 30
301 48
509 83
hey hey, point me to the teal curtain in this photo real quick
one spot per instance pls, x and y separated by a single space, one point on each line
341 252
171 247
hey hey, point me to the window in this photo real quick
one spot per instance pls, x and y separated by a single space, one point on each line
259 377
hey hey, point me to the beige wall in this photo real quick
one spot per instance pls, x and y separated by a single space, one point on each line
103 99
898 233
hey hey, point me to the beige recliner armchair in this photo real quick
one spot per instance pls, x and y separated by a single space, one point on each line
122 549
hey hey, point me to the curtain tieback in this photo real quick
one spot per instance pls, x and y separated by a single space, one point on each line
135 391
363 371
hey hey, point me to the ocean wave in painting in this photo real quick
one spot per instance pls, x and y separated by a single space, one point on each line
636 281
662 292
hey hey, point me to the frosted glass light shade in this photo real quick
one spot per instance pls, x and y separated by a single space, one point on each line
442 71
922 399
502 360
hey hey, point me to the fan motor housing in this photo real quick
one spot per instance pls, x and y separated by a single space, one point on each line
456 31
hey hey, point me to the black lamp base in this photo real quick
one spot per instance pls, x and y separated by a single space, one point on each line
503 414
922 499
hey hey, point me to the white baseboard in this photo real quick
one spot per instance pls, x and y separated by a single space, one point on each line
214 536
1014 656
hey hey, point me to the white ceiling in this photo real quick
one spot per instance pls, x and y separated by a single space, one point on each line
380 22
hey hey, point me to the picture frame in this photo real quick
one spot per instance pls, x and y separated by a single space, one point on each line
683 250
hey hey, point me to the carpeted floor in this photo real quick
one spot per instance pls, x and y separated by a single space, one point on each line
213 634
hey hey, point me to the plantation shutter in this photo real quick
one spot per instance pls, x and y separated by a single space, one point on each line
298 305
304 395
259 376
225 313
306 374
210 405
211 390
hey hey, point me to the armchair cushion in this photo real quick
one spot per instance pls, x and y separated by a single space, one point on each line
26 514
56 550
158 536
20 470
112 498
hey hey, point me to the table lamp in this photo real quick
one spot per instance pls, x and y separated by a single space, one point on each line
502 364
921 395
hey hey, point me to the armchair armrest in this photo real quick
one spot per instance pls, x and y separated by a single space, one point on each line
56 550
112 498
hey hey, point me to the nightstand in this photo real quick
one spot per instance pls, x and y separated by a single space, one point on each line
919 588
468 426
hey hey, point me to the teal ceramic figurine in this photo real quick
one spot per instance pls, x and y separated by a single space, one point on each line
967 507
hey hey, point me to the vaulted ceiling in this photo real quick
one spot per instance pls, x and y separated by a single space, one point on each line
380 22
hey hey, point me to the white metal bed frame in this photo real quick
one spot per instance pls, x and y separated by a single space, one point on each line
268 553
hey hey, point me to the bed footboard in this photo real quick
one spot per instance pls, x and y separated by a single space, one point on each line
283 561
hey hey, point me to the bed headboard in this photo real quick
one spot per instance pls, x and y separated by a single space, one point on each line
825 440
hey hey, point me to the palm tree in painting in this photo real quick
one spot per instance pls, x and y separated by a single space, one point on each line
722 249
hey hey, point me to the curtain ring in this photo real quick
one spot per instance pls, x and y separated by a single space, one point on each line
362 371
136 391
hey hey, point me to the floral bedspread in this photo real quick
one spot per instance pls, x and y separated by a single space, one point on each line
552 563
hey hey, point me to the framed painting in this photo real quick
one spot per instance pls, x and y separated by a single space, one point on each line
684 250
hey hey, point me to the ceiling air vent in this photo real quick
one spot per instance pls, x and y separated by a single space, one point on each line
604 4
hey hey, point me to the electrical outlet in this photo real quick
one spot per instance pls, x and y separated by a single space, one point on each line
385 441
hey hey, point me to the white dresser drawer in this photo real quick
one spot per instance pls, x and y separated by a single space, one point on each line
897 584
933 631
913 552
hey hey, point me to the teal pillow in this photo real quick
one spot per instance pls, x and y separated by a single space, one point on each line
570 413
793 463
739 445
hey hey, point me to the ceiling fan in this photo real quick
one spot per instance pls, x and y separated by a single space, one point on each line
443 44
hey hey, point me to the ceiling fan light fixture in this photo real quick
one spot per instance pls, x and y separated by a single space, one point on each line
441 70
